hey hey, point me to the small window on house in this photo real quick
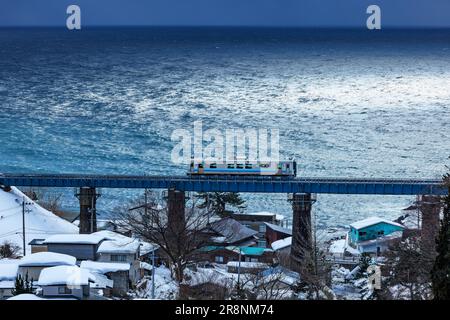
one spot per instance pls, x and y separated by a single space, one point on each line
262 228
262 243
218 259
381 232
118 257
362 233
64 290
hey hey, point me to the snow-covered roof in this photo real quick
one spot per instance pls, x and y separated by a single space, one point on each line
75 239
147 248
247 265
372 221
8 271
207 275
232 230
50 259
101 281
119 246
104 267
278 228
145 266
7 284
265 213
65 275
26 296
40 223
127 243
280 244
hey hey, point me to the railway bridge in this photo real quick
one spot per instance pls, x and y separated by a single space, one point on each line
300 189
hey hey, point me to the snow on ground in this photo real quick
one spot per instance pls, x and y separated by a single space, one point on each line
39 223
165 287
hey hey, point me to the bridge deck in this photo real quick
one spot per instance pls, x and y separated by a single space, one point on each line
251 184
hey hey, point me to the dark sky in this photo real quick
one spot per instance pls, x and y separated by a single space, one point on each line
399 13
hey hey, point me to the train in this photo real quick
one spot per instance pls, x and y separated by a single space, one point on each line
286 168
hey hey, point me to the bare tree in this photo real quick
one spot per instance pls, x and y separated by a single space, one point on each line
46 199
178 240
407 268
9 250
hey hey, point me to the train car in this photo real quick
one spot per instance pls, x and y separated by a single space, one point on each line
242 167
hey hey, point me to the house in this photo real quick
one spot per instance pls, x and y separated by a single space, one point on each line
223 255
282 245
374 235
246 267
33 264
227 232
282 249
120 248
117 272
37 245
81 246
65 282
275 232
8 274
256 221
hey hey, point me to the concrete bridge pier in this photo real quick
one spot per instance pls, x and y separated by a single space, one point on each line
176 205
430 208
301 229
87 197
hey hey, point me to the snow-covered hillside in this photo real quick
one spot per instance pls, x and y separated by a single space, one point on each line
39 223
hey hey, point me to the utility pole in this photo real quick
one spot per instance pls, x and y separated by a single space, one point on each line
153 273
239 269
24 210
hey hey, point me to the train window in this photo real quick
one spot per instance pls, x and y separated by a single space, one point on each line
240 166
279 166
230 166
287 166
264 165
200 165
192 164
213 165
248 166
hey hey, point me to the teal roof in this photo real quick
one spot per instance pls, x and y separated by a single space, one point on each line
250 251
